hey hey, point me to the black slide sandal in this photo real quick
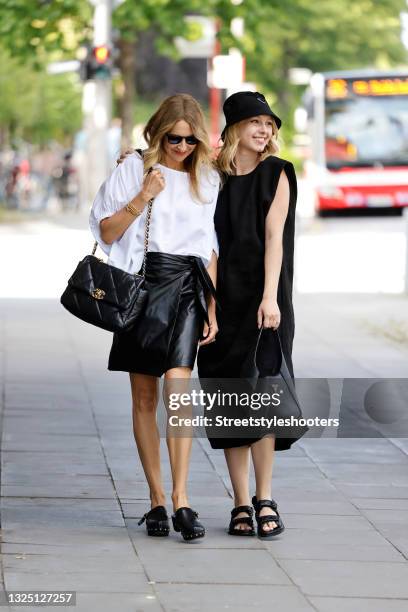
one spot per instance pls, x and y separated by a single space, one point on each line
268 518
242 519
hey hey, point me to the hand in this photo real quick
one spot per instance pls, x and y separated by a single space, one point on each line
124 155
268 314
209 332
153 184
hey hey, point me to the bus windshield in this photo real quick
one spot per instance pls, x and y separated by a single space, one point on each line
366 131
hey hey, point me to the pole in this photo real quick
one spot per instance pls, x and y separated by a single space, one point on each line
405 213
97 107
215 98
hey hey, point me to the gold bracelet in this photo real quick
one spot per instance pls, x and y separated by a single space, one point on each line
132 210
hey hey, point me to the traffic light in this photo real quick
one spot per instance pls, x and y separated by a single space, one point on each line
97 64
101 63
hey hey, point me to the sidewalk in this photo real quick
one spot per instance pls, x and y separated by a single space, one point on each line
72 487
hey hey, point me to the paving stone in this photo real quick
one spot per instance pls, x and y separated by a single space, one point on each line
49 457
65 564
220 597
341 507
352 604
106 602
322 523
62 426
333 544
283 461
103 540
138 602
380 504
45 443
49 480
46 512
121 582
38 468
381 491
401 443
388 521
357 451
36 505
350 473
191 562
354 578
70 489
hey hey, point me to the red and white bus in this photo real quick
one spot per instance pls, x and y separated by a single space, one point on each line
357 122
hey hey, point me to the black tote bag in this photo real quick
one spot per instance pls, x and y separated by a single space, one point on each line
267 372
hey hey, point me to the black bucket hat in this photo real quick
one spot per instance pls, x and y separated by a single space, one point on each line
244 104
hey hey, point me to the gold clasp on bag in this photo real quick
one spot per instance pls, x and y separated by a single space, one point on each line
98 294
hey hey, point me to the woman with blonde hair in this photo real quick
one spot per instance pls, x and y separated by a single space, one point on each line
177 171
255 225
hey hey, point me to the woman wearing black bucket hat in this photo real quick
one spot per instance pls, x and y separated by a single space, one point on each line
255 225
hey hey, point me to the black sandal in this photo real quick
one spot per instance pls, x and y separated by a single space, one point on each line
268 518
241 519
157 521
185 520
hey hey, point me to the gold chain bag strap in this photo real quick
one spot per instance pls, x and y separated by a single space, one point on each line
147 226
104 295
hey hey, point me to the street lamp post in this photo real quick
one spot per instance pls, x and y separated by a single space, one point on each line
97 105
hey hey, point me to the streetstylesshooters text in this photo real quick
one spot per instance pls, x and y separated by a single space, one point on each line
253 401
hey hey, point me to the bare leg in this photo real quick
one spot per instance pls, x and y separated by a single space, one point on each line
179 447
144 396
238 467
263 453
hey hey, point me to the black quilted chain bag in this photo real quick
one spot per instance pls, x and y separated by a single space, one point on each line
104 295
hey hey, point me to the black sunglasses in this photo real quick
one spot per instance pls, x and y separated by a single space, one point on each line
176 139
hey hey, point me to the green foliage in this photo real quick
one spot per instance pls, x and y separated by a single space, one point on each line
297 33
33 29
38 107
336 34
333 34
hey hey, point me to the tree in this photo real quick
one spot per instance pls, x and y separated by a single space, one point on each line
319 36
35 106
336 34
34 30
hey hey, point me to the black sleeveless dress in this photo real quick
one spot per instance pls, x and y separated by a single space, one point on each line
242 207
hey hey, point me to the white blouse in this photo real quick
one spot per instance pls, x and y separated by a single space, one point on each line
178 225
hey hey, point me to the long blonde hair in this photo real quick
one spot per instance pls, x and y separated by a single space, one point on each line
177 108
226 158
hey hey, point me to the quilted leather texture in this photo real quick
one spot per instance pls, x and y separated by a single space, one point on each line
122 302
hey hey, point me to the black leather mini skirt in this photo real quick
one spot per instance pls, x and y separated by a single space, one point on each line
168 331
